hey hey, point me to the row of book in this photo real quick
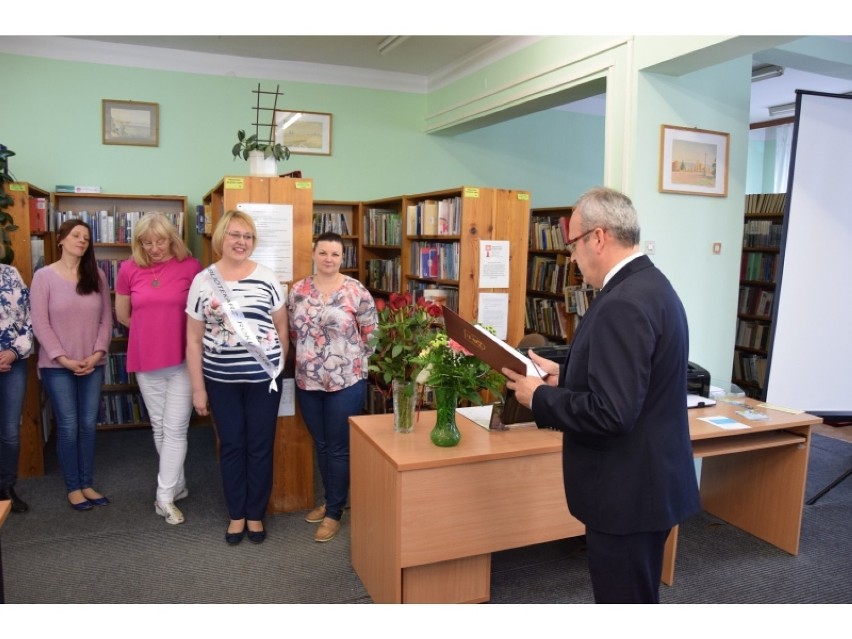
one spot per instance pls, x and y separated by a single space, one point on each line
549 234
383 275
439 260
112 227
332 219
764 203
122 408
762 234
445 296
434 217
755 301
382 227
115 371
750 368
547 274
753 334
549 317
759 267
578 298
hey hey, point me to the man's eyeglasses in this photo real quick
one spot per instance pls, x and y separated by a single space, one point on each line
160 243
234 235
571 242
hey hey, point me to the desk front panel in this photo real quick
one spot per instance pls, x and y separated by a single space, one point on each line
471 509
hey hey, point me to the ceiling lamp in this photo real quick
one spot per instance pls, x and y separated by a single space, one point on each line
765 72
782 109
390 43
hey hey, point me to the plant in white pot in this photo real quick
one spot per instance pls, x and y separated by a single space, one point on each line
262 154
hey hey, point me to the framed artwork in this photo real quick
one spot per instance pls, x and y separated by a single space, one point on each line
133 123
304 132
693 161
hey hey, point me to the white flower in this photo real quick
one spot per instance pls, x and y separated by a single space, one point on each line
424 375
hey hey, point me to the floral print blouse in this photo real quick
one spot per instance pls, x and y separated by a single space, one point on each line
330 334
16 329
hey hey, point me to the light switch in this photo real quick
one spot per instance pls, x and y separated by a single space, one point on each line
650 247
717 248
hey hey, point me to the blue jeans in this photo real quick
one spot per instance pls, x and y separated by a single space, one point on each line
326 415
13 385
75 400
245 416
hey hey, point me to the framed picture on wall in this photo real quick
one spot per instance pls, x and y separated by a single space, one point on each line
693 161
133 123
304 132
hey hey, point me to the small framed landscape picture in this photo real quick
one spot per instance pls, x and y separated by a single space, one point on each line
133 123
304 132
693 161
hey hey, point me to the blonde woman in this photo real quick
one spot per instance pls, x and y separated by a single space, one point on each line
236 346
150 297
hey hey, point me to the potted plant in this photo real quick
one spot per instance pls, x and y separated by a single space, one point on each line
262 153
7 223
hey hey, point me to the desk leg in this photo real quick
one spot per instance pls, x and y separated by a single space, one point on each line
669 556
759 491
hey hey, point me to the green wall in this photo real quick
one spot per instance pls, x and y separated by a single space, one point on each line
52 120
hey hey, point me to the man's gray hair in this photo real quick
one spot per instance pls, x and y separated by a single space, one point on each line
611 210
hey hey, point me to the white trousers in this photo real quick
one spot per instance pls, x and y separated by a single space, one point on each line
168 397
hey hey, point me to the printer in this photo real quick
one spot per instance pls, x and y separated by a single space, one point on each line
697 380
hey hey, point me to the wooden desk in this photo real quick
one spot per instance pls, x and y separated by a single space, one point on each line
5 507
425 520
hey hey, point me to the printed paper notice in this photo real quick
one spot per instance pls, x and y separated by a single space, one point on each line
287 405
274 224
493 264
724 422
494 312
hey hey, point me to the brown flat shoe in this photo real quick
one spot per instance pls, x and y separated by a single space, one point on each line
316 515
327 530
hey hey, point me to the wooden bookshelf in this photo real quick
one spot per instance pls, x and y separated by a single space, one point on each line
23 240
112 218
761 260
556 296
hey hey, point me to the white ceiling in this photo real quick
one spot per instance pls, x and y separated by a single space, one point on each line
428 59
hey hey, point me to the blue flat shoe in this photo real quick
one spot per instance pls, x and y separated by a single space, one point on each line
83 505
256 536
100 501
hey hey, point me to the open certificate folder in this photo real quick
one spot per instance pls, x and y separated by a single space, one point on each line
491 350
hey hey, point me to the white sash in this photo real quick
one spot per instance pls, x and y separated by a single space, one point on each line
244 332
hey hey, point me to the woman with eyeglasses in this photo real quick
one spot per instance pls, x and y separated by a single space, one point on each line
150 298
236 346
72 321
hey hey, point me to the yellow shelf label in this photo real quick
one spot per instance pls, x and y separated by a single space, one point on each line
524 197
235 183
303 184
470 191
14 186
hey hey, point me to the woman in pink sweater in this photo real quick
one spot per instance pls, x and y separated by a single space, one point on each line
72 321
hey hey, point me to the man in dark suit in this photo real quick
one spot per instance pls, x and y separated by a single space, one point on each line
620 400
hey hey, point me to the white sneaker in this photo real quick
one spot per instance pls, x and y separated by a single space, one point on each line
183 493
171 512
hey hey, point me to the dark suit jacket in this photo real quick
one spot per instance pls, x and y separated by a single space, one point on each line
621 404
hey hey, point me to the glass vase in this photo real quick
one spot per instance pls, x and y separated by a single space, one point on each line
404 402
445 432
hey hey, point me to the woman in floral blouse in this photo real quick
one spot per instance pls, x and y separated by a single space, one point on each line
16 344
331 317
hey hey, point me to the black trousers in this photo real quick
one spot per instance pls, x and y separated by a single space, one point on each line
626 568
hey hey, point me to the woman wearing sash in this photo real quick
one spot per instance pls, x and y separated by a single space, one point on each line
237 316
